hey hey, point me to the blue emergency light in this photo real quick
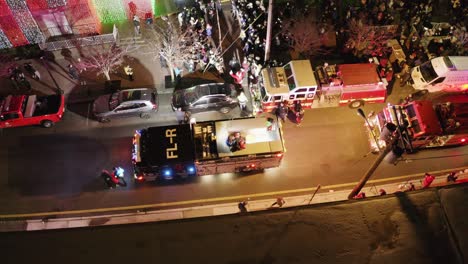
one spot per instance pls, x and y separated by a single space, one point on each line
167 173
190 169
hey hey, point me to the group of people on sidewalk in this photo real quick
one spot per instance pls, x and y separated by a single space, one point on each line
426 182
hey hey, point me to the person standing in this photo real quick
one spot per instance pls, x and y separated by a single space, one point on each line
129 72
242 99
73 72
428 179
187 117
180 115
14 83
279 201
136 23
243 206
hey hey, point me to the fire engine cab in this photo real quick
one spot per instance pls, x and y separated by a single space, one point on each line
294 81
351 84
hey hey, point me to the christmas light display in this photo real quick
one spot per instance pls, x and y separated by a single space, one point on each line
79 13
35 5
142 7
10 27
25 21
110 11
4 42
56 3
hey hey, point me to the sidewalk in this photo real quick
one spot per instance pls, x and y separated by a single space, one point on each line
147 73
59 220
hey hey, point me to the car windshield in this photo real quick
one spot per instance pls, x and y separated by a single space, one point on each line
428 72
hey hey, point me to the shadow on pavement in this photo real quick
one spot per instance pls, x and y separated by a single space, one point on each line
63 165
81 95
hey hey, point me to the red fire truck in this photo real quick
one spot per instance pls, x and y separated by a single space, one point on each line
426 124
338 85
351 84
293 81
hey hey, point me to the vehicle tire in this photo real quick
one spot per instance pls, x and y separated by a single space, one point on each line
47 123
224 110
356 104
145 115
104 120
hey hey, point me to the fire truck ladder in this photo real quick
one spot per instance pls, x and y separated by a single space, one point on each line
404 134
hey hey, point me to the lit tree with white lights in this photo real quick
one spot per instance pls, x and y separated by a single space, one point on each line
102 60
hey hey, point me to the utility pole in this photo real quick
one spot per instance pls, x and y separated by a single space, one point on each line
219 29
374 166
268 36
363 115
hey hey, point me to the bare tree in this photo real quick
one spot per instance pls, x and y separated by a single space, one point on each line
367 40
170 44
307 37
461 39
102 60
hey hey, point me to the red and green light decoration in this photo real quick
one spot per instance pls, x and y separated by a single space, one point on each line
111 11
18 26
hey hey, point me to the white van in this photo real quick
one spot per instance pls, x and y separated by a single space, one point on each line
448 74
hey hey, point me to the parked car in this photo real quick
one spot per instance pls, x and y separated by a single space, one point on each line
206 97
140 102
30 110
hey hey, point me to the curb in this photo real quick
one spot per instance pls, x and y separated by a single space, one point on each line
141 216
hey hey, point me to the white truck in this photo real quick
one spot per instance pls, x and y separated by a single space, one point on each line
449 74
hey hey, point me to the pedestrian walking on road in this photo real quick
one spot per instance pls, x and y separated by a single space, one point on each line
129 72
279 201
243 206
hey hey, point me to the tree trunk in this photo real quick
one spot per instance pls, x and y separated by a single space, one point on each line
106 73
171 70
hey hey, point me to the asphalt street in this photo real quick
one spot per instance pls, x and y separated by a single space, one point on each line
58 169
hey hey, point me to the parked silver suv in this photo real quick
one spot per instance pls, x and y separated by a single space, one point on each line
140 102
206 97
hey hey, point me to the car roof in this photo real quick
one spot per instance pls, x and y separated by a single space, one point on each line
207 89
137 94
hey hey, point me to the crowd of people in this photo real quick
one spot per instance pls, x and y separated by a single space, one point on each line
18 79
197 22
413 20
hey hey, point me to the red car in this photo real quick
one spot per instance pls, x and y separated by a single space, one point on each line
29 110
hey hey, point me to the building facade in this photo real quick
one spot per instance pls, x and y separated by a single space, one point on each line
24 22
